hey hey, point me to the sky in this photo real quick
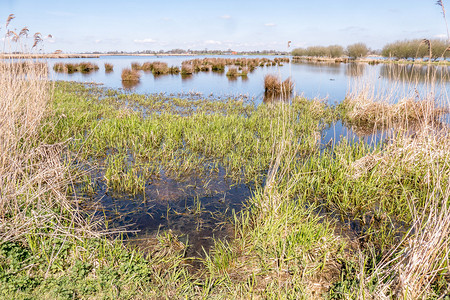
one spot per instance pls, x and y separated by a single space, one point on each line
137 25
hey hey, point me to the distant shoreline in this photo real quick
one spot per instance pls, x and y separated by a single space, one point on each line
82 55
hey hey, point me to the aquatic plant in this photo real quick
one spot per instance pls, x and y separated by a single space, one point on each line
130 75
232 71
109 68
187 68
272 84
83 67
160 68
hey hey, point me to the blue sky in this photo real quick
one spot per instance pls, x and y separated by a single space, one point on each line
101 25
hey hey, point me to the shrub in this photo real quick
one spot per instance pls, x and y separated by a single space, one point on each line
417 48
357 50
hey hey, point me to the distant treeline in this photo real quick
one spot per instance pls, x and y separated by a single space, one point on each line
418 48
406 49
200 52
355 51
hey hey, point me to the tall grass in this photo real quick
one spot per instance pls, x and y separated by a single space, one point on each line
109 67
130 75
415 155
33 179
272 84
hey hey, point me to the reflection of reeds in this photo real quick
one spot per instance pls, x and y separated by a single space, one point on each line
130 84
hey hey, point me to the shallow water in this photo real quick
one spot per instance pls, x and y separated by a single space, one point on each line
194 207
330 81
198 208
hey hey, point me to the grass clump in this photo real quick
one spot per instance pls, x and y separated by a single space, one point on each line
130 75
109 68
187 69
83 67
273 85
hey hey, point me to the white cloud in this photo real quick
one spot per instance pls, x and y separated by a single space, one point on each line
440 36
49 39
145 41
212 42
226 17
270 24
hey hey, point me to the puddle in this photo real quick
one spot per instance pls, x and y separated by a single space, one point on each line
194 208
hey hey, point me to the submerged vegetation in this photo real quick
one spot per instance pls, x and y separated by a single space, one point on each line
333 219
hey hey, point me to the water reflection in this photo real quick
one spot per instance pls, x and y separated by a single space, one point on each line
188 77
312 80
415 73
130 84
273 97
320 67
355 69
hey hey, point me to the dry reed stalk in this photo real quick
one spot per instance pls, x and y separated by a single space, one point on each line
275 88
160 68
424 255
33 177
130 75
109 68
420 143
271 83
187 68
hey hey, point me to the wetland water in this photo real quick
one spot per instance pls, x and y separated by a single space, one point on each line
197 207
329 81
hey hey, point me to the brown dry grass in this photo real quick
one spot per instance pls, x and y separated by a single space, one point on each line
273 85
417 141
109 68
130 75
33 178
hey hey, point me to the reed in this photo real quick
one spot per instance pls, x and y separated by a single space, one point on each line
187 68
160 68
273 85
130 75
83 67
232 72
109 68
146 67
